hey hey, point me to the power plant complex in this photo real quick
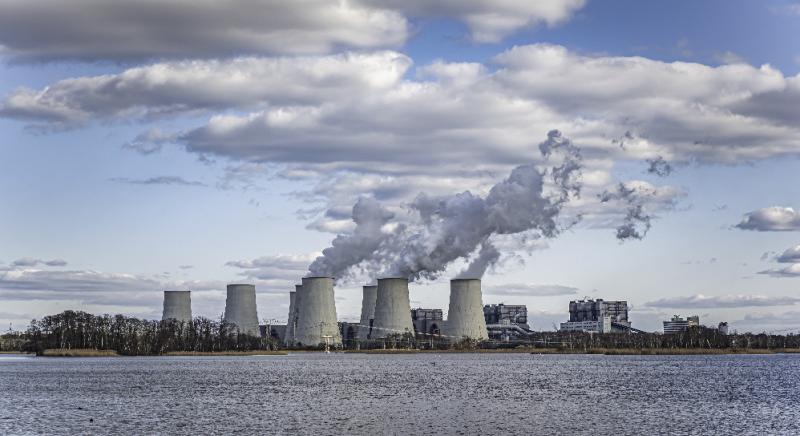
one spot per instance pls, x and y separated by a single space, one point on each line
387 316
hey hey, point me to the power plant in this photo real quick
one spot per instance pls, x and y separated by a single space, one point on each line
392 309
465 314
177 306
240 308
368 301
316 313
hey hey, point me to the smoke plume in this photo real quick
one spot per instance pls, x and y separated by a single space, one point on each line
442 229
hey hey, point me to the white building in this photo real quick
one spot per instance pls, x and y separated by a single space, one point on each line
599 326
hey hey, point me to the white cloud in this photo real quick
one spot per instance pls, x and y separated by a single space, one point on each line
700 301
771 219
791 255
529 290
43 30
489 20
184 87
792 270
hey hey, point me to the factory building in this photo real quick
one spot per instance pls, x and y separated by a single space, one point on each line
723 328
427 322
465 312
316 313
177 306
240 308
392 309
506 314
599 326
678 324
598 316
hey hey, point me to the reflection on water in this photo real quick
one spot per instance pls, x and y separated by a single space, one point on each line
402 394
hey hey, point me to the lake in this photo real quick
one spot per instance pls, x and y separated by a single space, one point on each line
315 393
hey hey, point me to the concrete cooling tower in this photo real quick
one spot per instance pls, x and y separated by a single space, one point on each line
177 305
367 311
465 314
240 308
316 313
291 323
392 308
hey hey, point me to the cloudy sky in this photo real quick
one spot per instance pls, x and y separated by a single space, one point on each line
644 151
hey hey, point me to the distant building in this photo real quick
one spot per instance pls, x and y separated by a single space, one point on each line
723 328
427 322
678 324
506 314
597 316
599 326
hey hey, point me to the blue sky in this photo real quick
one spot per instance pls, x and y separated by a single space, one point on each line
248 172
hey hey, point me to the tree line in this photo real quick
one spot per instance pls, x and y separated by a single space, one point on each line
136 337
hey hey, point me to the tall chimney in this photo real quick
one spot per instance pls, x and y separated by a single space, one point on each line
240 308
465 314
392 309
316 313
177 306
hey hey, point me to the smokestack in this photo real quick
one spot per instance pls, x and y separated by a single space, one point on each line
367 311
316 312
392 308
240 308
177 306
465 314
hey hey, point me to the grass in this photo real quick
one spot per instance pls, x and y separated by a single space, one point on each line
228 353
78 352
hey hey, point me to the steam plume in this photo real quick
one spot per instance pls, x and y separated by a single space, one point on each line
442 229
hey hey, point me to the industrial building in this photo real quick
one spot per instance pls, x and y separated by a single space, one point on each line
516 314
240 308
597 316
427 322
465 313
177 306
291 320
678 324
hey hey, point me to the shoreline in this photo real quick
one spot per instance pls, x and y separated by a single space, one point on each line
53 352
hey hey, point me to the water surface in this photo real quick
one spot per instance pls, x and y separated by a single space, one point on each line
402 394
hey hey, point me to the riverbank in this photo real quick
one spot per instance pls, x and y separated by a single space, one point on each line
603 351
229 353
77 352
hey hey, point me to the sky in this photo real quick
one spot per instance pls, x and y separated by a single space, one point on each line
625 150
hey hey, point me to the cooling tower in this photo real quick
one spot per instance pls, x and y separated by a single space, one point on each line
291 323
465 315
240 308
367 311
177 305
316 312
392 309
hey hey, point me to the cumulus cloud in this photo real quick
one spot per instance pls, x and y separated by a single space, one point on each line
791 255
792 270
771 219
90 30
700 301
773 322
274 268
160 180
529 290
31 262
185 87
489 21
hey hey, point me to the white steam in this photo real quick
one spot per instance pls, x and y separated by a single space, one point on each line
443 229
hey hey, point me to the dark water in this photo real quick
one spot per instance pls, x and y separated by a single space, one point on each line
402 394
